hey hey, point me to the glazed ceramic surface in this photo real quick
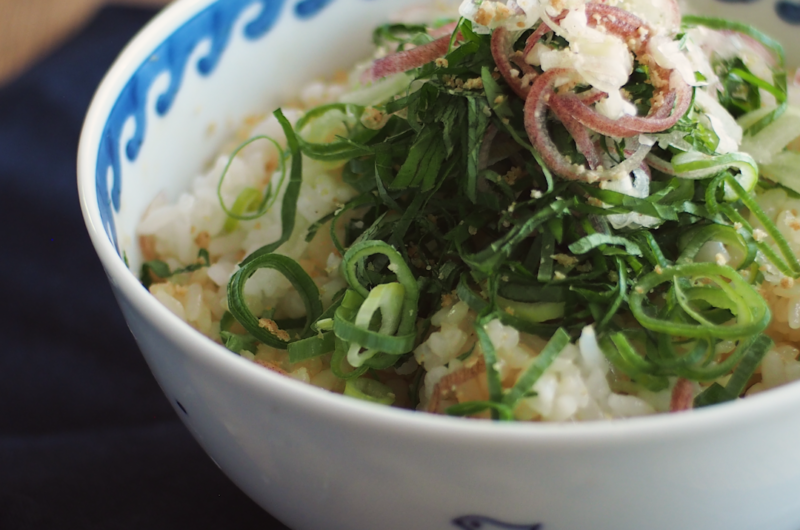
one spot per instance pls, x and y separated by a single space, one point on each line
317 460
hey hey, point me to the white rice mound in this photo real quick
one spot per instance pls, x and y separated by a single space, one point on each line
576 386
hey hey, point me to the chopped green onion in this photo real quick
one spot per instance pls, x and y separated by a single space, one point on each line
587 243
311 347
532 312
753 314
369 390
387 300
501 411
238 343
343 148
347 310
290 195
363 249
768 225
696 165
698 236
622 355
754 350
779 94
250 199
293 272
739 27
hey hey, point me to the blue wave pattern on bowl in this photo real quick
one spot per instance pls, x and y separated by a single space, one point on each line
309 8
787 11
481 522
214 23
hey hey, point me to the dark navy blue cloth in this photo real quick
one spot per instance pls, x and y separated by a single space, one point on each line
87 440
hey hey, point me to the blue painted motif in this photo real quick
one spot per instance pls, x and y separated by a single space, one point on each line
475 522
214 23
788 11
309 8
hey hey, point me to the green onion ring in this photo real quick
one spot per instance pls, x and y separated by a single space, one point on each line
386 298
293 272
391 344
669 359
344 148
247 200
754 313
621 354
769 226
290 195
339 358
311 347
727 235
265 203
500 411
369 390
362 249
697 165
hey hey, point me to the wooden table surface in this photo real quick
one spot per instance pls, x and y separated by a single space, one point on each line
31 28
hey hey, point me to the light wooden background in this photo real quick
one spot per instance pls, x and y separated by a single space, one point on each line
31 28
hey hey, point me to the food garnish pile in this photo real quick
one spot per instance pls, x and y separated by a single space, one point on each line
557 211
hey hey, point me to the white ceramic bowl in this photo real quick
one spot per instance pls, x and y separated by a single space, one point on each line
317 460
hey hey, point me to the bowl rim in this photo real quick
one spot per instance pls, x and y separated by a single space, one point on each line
775 402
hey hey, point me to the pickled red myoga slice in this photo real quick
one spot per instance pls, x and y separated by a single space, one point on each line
502 47
540 96
627 26
518 60
682 396
664 113
536 126
583 139
672 95
441 31
410 59
504 55
535 37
